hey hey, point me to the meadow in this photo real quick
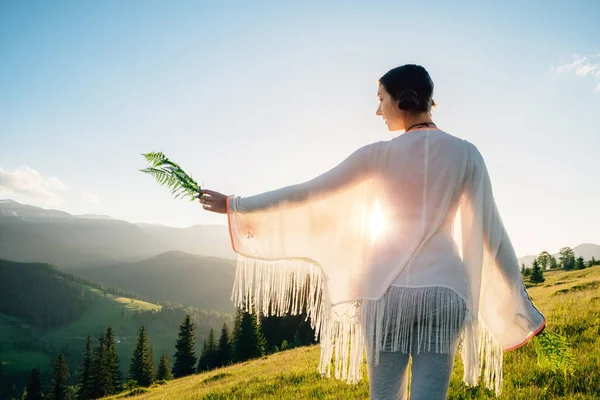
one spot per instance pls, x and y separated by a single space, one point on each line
569 299
104 310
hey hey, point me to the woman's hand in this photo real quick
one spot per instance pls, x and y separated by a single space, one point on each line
213 201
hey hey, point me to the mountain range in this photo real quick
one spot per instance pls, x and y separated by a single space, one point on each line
35 234
174 276
100 243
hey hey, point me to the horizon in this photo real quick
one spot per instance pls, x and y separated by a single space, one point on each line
551 251
234 92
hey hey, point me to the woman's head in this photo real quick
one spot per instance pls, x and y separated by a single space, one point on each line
405 95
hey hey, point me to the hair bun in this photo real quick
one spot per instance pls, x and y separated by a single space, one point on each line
408 100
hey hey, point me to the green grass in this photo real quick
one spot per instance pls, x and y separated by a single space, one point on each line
15 336
569 300
105 310
14 357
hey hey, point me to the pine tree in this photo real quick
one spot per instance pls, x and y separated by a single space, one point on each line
60 380
523 269
250 342
237 322
537 274
224 351
34 386
142 364
85 388
100 375
579 263
208 358
203 359
164 371
185 353
112 360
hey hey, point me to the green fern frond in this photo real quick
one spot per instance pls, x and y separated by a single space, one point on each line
171 175
553 351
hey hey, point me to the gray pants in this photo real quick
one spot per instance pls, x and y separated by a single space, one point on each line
430 371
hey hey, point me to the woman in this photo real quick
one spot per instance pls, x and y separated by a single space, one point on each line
402 288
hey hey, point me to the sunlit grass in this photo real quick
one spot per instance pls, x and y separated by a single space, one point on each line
569 300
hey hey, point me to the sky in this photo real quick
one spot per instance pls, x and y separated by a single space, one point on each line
253 96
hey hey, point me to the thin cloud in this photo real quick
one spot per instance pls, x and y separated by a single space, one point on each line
89 197
586 66
29 182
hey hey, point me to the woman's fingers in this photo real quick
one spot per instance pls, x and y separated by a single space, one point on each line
209 192
213 201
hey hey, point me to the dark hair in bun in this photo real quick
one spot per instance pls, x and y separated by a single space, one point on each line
411 86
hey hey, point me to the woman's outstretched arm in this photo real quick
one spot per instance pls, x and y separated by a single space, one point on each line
356 167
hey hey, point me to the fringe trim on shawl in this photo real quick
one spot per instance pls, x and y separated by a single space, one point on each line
435 314
480 351
290 287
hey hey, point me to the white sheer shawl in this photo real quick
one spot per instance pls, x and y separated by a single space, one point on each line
315 247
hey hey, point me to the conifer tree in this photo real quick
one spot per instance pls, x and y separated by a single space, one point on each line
185 353
203 358
59 389
224 351
579 263
250 342
208 357
100 376
34 386
142 364
164 370
237 322
537 274
112 362
85 388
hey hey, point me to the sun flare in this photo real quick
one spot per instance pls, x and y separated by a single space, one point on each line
378 224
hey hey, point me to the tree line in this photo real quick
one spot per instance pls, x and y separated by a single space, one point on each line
546 261
30 291
100 374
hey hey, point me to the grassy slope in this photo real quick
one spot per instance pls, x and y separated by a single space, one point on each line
105 310
12 357
569 300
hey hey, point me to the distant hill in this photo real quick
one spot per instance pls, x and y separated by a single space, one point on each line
206 240
87 240
10 208
74 241
585 250
174 276
94 216
34 234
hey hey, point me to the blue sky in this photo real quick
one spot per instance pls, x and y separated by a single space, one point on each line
253 96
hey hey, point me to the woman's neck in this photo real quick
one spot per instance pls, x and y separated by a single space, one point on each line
417 119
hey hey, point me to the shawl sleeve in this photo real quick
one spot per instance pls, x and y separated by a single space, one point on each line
300 221
304 248
502 316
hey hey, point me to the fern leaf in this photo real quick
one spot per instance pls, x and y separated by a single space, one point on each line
171 175
553 351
